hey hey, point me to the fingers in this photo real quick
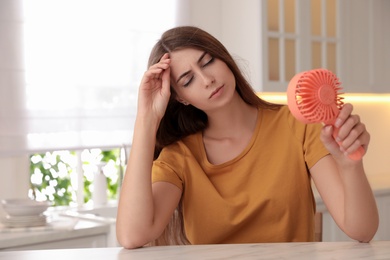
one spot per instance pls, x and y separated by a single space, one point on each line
156 71
158 68
328 140
352 133
351 144
344 114
165 75
166 80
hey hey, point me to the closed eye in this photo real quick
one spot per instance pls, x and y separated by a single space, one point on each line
209 61
187 83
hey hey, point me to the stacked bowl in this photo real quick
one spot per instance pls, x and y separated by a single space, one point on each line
24 213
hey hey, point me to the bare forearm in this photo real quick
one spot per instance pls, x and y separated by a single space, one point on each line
361 214
136 211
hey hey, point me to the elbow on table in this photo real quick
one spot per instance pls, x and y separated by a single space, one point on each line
131 241
365 236
135 236
130 244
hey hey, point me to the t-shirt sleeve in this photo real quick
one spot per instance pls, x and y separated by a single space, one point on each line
313 146
167 167
161 172
308 135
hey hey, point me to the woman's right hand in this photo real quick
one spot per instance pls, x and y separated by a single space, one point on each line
154 91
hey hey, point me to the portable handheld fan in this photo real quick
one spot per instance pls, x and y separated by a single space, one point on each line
314 96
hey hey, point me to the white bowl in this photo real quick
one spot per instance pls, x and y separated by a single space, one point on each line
24 207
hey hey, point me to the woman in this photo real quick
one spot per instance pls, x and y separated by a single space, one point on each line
213 163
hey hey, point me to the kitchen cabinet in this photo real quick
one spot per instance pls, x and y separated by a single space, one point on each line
350 38
364 53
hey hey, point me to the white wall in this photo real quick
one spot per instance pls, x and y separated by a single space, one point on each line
241 34
236 24
14 170
14 174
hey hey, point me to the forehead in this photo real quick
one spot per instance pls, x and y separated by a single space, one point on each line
186 54
183 59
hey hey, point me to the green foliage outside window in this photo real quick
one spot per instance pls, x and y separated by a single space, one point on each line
54 175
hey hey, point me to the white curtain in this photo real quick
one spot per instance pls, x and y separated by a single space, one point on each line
75 69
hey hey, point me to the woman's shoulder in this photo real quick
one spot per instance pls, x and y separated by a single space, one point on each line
283 119
280 114
181 148
176 157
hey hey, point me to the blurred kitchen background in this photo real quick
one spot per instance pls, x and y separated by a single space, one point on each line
70 69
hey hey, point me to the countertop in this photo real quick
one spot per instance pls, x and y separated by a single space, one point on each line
60 229
320 250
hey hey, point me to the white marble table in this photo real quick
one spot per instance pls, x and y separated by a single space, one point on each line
321 250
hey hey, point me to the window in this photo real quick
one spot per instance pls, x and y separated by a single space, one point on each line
300 35
84 60
55 175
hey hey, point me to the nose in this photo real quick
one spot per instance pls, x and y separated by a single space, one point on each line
207 78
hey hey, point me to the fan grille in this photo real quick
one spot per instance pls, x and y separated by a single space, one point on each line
317 96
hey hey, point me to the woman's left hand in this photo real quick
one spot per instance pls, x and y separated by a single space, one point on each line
351 135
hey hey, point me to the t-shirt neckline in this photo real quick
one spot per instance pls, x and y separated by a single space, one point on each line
256 132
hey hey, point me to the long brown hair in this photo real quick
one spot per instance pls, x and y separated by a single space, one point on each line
181 120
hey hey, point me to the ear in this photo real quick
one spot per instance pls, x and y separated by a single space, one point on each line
182 101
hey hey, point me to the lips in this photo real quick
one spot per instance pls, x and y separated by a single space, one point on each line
215 91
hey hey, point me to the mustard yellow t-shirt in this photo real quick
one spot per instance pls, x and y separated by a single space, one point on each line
263 195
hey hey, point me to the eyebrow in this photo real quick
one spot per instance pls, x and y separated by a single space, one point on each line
187 72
